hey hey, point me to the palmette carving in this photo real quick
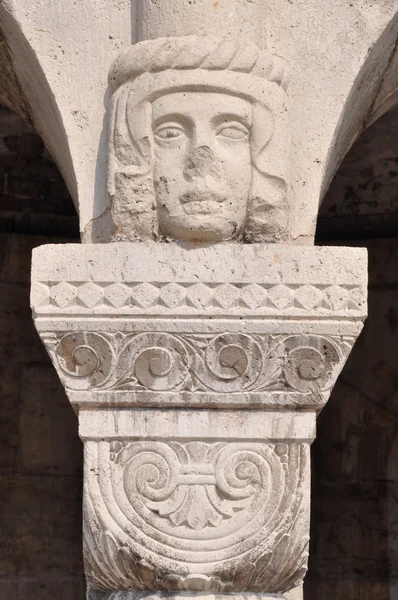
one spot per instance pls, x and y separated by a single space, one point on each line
85 357
196 485
223 363
218 516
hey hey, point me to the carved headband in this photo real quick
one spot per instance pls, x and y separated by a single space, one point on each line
211 53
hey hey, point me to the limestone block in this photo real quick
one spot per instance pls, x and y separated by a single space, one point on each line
195 280
197 373
204 514
184 348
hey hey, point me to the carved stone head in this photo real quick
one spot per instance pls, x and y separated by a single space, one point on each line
197 142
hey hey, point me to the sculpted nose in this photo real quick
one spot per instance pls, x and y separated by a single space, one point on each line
200 163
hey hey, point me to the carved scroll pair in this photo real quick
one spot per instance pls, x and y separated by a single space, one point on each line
220 517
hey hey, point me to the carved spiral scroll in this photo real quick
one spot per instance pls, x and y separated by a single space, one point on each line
241 472
310 367
234 510
233 362
151 471
159 361
86 359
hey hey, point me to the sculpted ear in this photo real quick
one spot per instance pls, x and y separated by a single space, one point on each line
131 132
268 208
262 131
130 180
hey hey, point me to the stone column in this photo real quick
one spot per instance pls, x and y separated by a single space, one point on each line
197 374
196 349
225 18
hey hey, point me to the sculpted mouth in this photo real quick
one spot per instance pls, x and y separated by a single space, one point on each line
201 202
203 207
199 196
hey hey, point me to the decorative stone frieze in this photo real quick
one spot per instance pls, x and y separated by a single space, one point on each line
197 373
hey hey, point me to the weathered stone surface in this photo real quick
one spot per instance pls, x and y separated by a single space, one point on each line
48 541
45 447
362 199
289 343
33 196
62 79
178 499
198 142
365 590
314 79
176 18
242 280
45 588
64 588
9 389
134 595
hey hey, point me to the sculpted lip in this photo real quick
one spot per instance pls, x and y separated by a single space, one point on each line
201 202
204 207
201 196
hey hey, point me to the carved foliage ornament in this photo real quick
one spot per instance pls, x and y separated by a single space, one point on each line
222 363
196 154
217 516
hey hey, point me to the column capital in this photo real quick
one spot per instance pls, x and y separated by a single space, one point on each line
197 373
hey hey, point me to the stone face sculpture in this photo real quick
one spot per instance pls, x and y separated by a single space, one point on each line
198 142
202 171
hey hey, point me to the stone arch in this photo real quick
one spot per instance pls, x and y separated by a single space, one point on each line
374 92
60 54
40 453
25 89
354 486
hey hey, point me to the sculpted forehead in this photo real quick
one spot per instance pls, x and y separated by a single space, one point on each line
201 106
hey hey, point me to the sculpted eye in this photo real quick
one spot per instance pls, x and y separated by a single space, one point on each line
169 131
233 131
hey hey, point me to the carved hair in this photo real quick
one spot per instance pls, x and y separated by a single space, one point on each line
154 68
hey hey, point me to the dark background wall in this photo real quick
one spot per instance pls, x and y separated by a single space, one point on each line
41 455
40 452
354 527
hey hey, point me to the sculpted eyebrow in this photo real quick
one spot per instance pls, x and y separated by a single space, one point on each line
244 118
169 116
